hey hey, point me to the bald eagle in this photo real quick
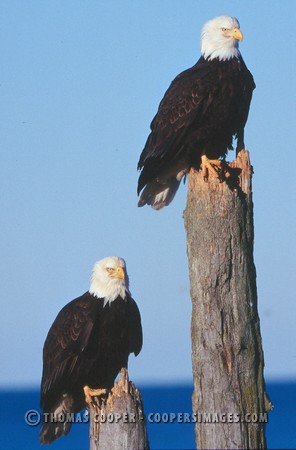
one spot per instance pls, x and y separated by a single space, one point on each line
204 108
87 345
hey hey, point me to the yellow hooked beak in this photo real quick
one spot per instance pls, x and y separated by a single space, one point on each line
236 34
119 273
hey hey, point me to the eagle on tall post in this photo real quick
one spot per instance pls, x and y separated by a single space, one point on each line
202 111
87 345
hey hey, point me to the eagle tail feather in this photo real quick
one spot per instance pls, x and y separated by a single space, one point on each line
158 195
57 421
52 431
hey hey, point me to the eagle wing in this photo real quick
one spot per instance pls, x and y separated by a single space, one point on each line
66 340
184 102
135 327
182 109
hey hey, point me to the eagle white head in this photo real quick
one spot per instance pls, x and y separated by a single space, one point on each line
219 38
109 279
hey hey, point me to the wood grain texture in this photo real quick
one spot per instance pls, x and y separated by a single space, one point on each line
227 354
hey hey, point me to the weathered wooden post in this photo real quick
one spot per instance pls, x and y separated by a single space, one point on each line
120 422
227 357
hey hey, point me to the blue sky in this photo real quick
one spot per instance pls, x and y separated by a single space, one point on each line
80 82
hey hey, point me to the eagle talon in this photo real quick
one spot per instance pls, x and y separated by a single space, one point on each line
210 166
89 393
218 168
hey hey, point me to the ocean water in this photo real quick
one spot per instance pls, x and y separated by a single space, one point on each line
15 434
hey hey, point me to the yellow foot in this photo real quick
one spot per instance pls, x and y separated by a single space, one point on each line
89 393
216 167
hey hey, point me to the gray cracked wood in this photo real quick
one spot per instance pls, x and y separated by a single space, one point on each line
227 356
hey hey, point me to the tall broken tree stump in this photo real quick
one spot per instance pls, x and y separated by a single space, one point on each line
119 422
227 357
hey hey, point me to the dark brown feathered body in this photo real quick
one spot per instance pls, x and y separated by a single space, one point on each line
204 108
87 344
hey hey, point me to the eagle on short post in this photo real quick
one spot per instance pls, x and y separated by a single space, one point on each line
87 345
204 108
